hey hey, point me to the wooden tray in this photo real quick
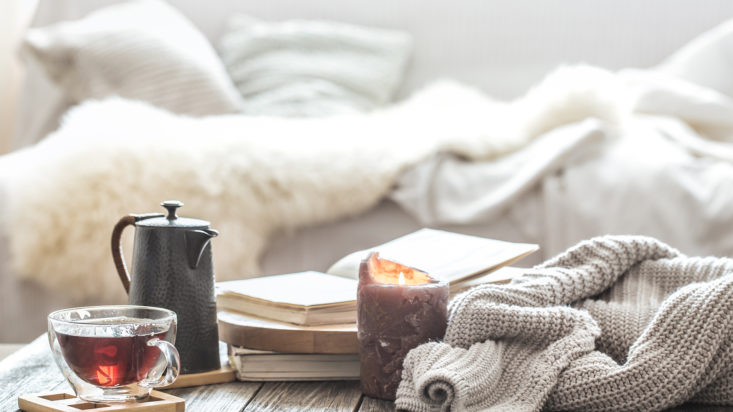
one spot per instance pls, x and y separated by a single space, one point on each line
222 375
64 402
256 333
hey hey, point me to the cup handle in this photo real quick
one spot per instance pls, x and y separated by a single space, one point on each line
173 361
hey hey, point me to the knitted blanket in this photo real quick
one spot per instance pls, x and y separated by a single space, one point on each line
616 323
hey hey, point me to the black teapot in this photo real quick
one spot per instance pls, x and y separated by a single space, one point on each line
172 268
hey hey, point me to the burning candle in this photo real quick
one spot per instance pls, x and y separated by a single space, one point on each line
398 308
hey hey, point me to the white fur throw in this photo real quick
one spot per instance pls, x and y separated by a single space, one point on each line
250 176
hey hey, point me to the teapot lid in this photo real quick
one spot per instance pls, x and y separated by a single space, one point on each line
172 220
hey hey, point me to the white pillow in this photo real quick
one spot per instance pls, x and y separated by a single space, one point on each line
706 60
310 68
144 50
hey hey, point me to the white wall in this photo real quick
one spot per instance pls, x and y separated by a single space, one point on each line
14 17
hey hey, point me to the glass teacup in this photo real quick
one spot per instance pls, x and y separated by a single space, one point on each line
115 353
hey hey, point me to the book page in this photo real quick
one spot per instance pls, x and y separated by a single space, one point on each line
305 289
444 255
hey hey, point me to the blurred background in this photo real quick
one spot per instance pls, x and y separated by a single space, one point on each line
306 130
503 47
15 18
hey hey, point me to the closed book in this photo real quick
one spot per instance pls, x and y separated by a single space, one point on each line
305 298
258 365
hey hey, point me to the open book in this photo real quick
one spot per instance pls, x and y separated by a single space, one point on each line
443 255
314 298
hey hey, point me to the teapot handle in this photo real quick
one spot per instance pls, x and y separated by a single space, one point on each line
117 255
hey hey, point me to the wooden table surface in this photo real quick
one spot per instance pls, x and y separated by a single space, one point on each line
32 370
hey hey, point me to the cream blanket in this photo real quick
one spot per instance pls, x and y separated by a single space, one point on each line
671 158
249 176
616 323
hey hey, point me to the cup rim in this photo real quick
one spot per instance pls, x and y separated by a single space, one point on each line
54 316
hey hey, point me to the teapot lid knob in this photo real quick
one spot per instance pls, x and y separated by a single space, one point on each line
171 206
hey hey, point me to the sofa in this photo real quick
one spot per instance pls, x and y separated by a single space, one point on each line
501 48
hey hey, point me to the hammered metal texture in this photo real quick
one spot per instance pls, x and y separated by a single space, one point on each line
162 277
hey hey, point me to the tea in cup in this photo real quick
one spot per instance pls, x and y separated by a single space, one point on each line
115 353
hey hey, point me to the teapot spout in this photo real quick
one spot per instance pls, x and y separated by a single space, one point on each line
196 241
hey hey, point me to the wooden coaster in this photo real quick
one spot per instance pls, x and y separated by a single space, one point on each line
64 402
251 332
221 375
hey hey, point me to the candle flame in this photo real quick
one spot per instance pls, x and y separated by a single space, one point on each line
392 273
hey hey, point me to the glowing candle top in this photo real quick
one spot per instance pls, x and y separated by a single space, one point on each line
392 273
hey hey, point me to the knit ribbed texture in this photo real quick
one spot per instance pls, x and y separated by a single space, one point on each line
616 323
313 68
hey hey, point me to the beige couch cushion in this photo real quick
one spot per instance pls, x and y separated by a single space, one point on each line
144 50
313 68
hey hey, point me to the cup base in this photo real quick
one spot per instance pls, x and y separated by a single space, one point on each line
115 395
113 398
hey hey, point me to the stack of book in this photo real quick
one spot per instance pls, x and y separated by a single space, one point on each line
302 326
299 326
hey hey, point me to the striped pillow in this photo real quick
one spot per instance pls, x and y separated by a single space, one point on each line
144 50
313 68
